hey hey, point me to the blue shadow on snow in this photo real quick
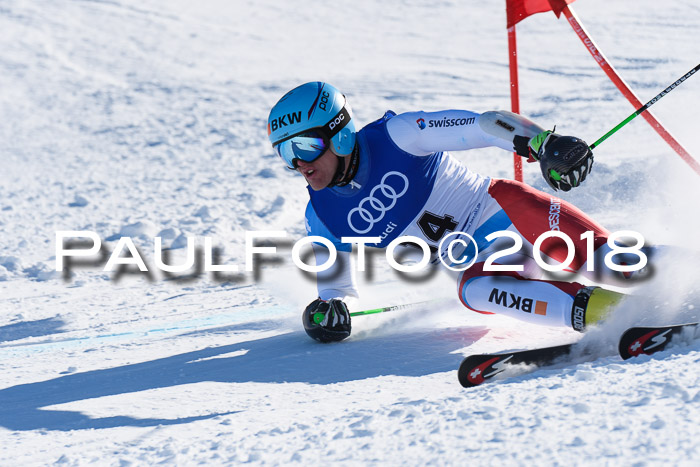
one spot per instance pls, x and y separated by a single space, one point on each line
41 327
290 357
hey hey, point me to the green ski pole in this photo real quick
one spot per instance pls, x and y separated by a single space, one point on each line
318 317
391 308
646 106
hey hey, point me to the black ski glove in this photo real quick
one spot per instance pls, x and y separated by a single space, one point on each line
565 161
327 321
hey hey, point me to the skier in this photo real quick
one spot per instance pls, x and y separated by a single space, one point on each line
394 178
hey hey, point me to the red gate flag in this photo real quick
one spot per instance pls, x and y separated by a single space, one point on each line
518 10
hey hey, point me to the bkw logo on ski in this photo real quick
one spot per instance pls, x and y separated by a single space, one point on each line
381 199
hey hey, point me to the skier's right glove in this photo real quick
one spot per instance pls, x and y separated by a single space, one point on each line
327 321
565 161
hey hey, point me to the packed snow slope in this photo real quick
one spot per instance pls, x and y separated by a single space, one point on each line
147 118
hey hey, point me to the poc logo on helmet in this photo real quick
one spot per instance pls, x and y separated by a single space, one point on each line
324 100
336 121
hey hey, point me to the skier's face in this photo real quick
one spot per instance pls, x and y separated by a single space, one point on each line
319 173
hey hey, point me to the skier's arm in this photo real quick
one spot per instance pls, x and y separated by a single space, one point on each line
339 280
327 318
423 133
565 161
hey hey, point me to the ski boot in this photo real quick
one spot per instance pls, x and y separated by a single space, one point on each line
591 305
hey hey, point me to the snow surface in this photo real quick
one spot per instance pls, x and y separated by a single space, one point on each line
147 118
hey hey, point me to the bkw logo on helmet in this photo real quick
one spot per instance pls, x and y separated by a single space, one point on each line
279 122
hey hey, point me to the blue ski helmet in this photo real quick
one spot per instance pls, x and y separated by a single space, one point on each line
308 120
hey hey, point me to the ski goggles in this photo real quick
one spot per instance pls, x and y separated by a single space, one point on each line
307 146
311 144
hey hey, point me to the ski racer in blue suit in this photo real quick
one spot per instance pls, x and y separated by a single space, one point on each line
395 178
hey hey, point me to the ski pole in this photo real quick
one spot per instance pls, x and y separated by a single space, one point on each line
391 308
646 106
